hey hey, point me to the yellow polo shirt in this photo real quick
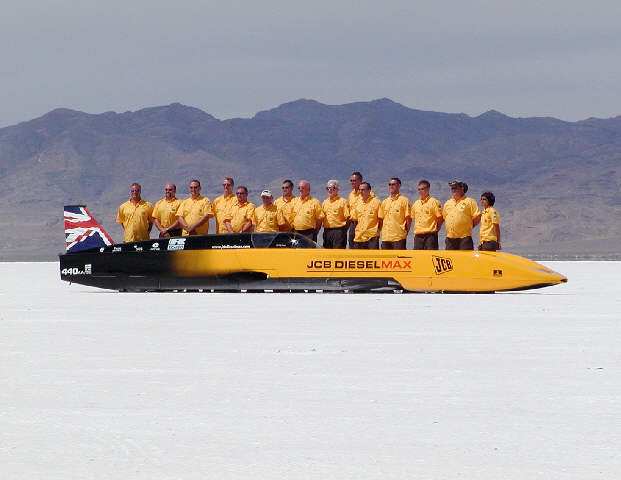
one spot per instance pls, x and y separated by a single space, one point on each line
266 219
306 213
458 216
166 211
336 212
238 214
193 210
285 212
425 214
394 212
220 206
354 197
489 218
135 218
365 213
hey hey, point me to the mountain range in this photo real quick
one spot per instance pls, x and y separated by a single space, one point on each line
557 183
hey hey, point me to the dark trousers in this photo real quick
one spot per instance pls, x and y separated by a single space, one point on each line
489 245
351 233
459 243
335 237
310 233
372 244
398 245
426 241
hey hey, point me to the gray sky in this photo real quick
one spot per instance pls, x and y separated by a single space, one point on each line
523 58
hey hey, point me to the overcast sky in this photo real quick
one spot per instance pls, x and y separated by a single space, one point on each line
524 58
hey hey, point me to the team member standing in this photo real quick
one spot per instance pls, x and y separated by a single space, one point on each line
164 215
194 212
135 216
285 207
336 217
460 214
489 231
355 180
368 224
394 215
307 214
223 203
427 217
266 215
238 218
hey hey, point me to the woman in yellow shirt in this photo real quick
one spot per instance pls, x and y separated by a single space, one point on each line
489 231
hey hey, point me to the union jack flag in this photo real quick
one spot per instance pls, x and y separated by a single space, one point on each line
82 230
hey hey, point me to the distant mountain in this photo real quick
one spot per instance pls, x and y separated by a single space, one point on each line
557 183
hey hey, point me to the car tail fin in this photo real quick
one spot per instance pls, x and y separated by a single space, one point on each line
82 231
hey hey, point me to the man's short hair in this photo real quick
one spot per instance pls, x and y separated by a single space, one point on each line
288 182
194 180
229 179
491 199
424 182
367 184
357 174
135 184
396 179
333 183
245 189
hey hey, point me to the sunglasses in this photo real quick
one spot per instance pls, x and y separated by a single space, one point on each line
422 188
194 187
226 184
391 184
330 188
241 193
286 188
134 191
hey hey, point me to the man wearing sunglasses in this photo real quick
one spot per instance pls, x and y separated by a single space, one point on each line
368 223
427 217
223 203
284 204
307 213
394 215
238 218
336 217
460 214
164 215
194 212
135 216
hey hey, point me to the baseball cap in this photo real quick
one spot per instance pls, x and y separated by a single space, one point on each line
266 193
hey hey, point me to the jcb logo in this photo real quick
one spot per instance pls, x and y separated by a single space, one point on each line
441 265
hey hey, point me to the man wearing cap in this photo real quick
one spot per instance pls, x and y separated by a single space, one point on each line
164 215
135 216
266 216
427 217
238 218
368 224
394 215
285 207
194 212
336 217
223 203
460 214
306 212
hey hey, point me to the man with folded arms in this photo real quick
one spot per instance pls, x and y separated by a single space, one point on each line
394 214
460 214
194 212
336 217
238 218
306 212
427 217
223 203
285 207
266 215
135 216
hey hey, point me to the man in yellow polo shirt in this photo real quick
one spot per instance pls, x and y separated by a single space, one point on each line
194 212
336 217
285 207
489 231
223 203
427 217
306 212
460 214
164 215
394 216
135 216
266 215
238 218
368 225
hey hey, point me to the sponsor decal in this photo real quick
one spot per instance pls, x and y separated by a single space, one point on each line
87 269
155 246
116 249
138 249
441 265
361 264
176 244
225 247
101 250
497 273
76 271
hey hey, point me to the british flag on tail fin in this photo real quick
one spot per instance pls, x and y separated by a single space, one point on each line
82 231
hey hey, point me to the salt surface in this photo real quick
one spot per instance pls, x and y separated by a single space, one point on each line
97 384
